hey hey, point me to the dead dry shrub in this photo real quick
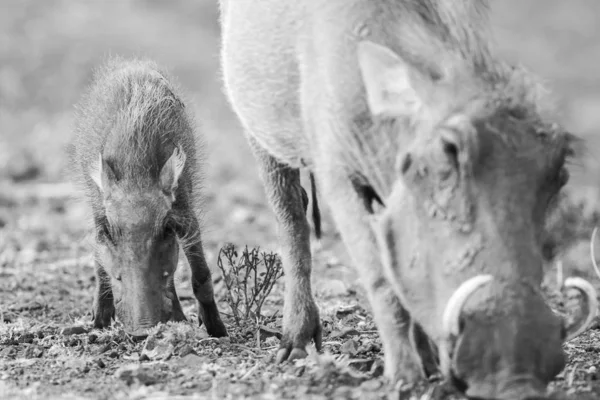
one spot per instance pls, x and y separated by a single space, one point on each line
249 278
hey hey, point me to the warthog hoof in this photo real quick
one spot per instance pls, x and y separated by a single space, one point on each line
102 314
298 330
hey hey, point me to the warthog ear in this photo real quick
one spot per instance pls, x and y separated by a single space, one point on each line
391 84
102 174
171 172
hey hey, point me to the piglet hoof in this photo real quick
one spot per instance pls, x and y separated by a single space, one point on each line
217 329
209 315
295 354
178 315
293 344
102 316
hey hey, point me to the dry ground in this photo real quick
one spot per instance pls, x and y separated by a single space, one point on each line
47 51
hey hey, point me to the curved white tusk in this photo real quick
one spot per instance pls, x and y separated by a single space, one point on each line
451 316
559 273
592 253
590 292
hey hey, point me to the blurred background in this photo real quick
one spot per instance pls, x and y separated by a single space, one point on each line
49 48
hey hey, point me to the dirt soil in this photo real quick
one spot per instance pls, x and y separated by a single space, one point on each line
47 347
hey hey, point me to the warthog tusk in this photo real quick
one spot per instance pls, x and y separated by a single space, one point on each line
451 316
559 273
592 253
590 292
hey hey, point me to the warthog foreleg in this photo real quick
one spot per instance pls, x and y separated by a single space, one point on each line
301 321
177 313
104 306
202 285
408 355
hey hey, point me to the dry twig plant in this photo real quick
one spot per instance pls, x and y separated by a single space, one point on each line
249 279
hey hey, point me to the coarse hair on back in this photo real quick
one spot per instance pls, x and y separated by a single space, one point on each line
451 39
134 114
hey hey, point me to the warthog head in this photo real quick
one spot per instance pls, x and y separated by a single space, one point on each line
476 170
137 243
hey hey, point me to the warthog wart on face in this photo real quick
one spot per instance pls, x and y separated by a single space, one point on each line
461 231
438 163
135 154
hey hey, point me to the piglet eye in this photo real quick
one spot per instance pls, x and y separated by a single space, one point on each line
168 230
563 177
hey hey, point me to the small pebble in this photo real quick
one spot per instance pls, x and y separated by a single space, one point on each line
191 361
135 373
9 352
34 351
73 330
26 338
103 349
185 350
371 385
346 332
350 348
218 351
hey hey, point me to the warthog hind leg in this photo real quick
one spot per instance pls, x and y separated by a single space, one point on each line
301 321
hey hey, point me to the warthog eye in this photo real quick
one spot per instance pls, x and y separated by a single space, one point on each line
366 192
563 177
104 232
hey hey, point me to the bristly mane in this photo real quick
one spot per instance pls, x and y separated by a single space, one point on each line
150 120
453 40
134 114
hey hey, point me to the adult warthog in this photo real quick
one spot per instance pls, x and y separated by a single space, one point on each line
439 163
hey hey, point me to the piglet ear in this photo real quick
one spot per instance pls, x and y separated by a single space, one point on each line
102 175
171 172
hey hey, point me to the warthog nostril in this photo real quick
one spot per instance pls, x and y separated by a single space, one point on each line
139 335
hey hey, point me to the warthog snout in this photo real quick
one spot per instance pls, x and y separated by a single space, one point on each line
502 341
141 308
142 268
